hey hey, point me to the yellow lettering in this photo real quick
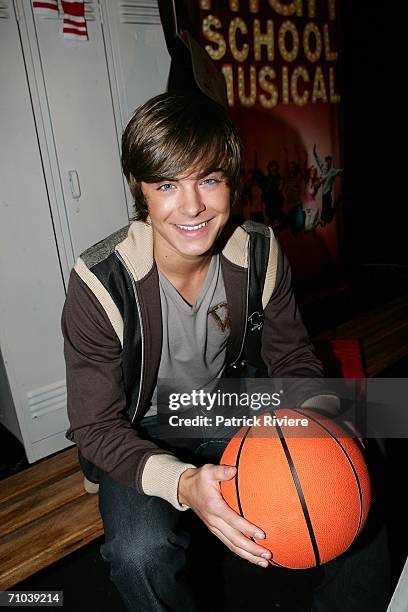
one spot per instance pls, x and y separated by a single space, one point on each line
229 82
261 38
288 27
238 54
334 97
210 24
319 87
332 9
286 10
299 72
266 75
311 9
331 56
312 56
285 85
243 98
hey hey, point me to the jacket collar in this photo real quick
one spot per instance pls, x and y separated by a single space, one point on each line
137 248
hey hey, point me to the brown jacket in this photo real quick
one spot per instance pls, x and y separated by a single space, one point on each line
113 303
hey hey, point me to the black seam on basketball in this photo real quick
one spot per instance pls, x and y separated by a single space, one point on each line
236 475
360 492
299 490
276 563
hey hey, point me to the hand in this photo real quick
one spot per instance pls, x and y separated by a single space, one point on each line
199 488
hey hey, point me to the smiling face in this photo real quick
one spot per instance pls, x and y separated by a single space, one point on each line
187 213
173 134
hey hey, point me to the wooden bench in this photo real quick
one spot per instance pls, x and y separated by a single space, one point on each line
45 514
383 333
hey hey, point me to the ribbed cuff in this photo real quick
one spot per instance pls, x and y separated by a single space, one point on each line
326 403
91 487
161 475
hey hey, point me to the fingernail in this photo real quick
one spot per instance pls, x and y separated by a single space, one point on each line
266 555
263 563
259 535
230 471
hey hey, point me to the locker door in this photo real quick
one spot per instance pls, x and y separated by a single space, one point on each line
81 112
31 282
141 62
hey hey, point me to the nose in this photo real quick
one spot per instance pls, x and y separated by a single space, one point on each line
192 202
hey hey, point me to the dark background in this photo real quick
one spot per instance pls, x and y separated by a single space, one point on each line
374 166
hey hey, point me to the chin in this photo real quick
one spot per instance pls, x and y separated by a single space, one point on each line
195 250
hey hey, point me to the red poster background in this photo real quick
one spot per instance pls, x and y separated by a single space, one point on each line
315 255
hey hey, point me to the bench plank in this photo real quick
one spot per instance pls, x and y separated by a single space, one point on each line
383 332
42 472
41 502
49 540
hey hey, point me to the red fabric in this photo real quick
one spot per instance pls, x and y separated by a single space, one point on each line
74 20
51 5
341 358
76 9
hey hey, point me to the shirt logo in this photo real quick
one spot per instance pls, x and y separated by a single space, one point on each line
256 320
219 313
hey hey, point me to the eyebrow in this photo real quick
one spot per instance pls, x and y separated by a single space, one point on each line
199 176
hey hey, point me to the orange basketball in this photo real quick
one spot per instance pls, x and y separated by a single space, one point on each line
307 487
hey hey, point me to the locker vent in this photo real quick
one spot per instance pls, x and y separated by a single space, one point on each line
139 11
4 10
47 399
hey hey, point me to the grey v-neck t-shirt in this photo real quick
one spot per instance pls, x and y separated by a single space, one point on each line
194 336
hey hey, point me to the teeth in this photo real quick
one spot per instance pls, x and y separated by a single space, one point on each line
191 228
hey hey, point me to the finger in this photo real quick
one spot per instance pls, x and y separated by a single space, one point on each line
223 472
238 522
239 551
242 542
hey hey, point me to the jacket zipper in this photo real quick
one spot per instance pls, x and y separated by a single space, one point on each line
233 364
141 331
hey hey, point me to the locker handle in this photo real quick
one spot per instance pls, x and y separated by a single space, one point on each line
74 184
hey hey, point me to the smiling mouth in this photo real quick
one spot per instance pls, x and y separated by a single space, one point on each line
192 228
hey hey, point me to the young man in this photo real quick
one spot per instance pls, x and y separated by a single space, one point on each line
166 298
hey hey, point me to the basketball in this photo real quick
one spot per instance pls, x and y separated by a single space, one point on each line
307 487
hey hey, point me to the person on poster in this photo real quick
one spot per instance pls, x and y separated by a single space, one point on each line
271 185
139 309
329 174
251 196
293 189
310 205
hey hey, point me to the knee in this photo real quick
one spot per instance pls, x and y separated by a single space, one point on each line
145 551
130 555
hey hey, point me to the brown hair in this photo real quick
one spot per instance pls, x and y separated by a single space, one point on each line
174 132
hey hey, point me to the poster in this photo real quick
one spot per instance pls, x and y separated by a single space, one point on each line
281 62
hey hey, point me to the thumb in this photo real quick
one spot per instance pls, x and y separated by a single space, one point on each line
225 472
